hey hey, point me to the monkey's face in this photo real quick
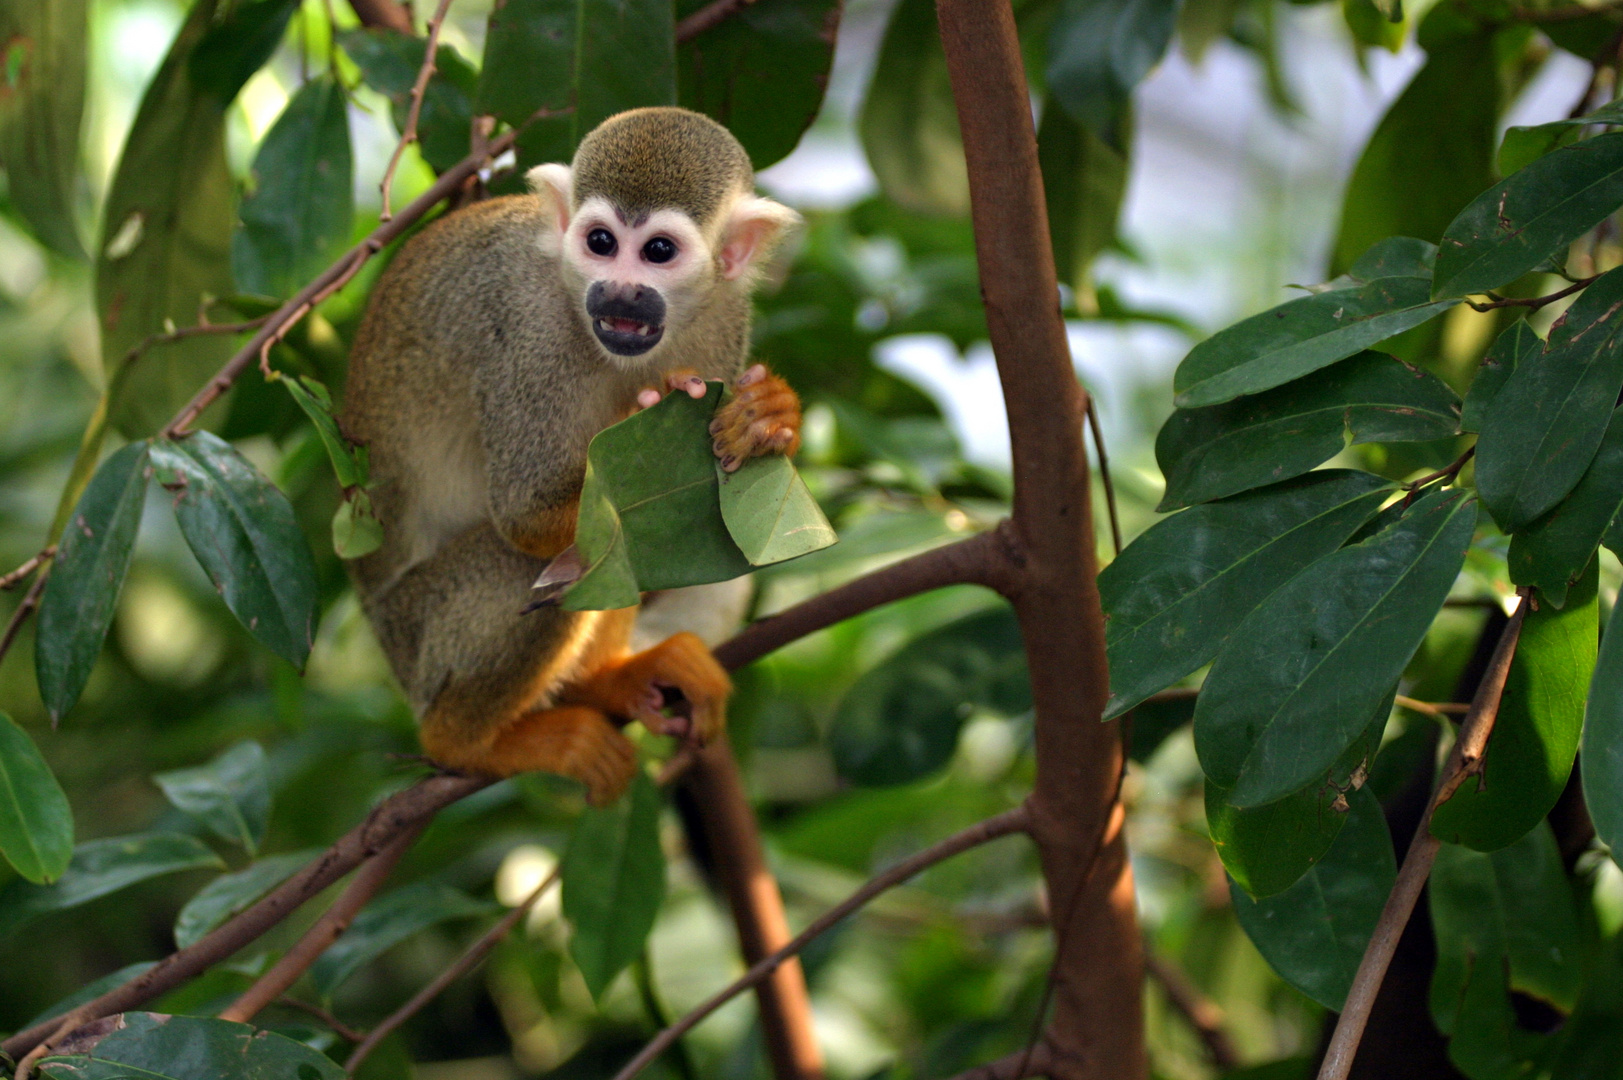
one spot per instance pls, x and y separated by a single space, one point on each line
639 280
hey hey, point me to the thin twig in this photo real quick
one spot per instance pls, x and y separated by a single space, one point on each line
418 89
708 16
1464 760
470 959
326 930
1202 1014
1104 473
1447 472
310 1008
15 578
30 601
1436 709
1531 302
1034 1061
1010 821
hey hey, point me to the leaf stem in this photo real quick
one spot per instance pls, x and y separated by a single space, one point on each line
18 576
1104 473
1532 303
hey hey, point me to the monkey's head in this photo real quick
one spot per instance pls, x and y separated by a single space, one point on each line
656 217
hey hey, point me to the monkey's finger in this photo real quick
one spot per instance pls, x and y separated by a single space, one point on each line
752 375
648 398
688 380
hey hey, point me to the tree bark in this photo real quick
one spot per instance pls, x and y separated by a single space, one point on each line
1096 1031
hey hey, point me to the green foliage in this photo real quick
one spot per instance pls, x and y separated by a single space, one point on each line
909 124
1098 50
1515 344
1552 551
1314 933
230 795
385 923
1084 180
36 822
100 867
613 877
40 115
229 894
1602 760
389 63
189 1048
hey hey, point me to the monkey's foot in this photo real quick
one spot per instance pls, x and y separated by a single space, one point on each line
680 675
687 380
571 740
762 418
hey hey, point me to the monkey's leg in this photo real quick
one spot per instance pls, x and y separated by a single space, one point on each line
762 418
634 686
576 741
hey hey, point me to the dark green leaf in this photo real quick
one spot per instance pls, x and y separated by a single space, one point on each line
1554 550
1099 50
1153 721
769 513
587 59
761 71
900 720
301 209
1084 179
1530 215
166 244
1512 909
43 44
1394 256
100 867
91 991
389 62
909 124
239 44
613 876
1602 759
1529 757
1524 145
230 894
152 1046
1315 932
1242 444
87 576
1541 431
649 515
356 530
242 529
1299 337
1510 348
1173 595
1431 153
1267 849
385 923
231 794
1301 675
36 822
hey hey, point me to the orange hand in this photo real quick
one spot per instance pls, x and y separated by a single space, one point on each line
762 418
635 687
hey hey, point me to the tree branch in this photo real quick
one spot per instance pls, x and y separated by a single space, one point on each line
1531 302
383 13
393 816
1200 1012
1097 1028
30 601
327 929
418 89
470 959
1034 1061
310 1008
1010 821
1104 473
708 16
1464 760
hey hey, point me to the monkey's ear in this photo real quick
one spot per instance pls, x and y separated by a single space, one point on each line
754 227
554 184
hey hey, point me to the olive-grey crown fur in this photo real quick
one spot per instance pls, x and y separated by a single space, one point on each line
646 159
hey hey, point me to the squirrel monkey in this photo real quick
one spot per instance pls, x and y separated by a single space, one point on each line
500 340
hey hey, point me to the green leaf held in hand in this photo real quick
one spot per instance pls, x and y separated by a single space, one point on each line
300 212
1174 594
1553 551
1252 441
1543 428
36 823
242 530
153 1046
86 577
1315 932
900 721
613 876
1535 737
385 923
769 513
1299 678
100 867
231 794
1529 216
1300 337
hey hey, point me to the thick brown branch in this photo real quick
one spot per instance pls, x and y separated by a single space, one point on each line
1010 821
1202 1014
470 959
1463 761
327 929
393 816
418 89
383 13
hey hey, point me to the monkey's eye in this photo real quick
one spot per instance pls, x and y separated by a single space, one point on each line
659 250
600 242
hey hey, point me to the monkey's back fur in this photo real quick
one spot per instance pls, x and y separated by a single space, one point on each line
476 386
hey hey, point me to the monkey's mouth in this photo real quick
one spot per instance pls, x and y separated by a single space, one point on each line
626 337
